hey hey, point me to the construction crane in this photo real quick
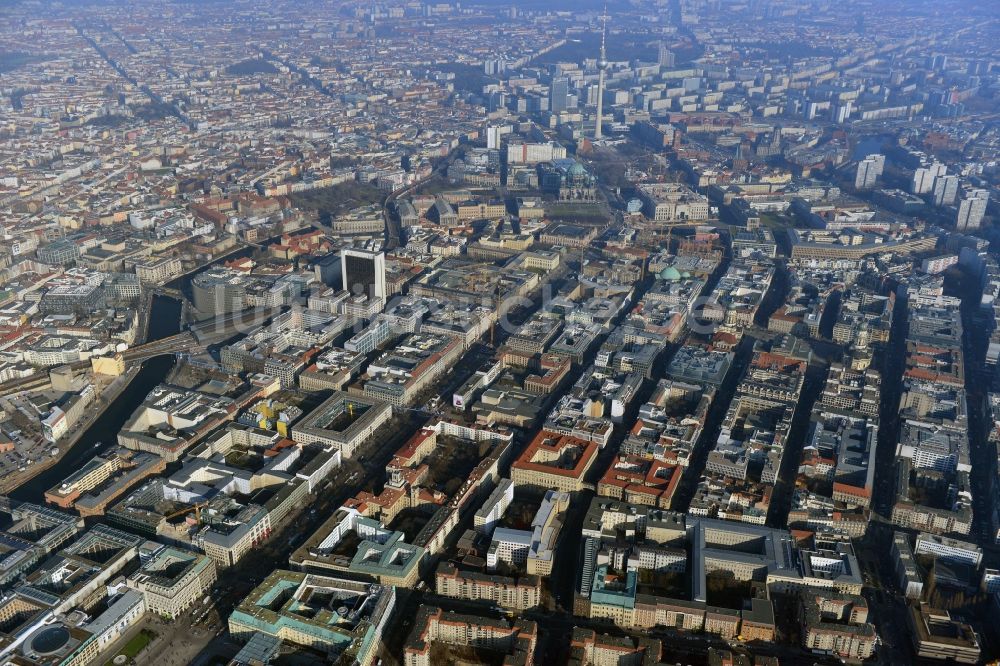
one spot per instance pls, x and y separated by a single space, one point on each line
188 509
496 312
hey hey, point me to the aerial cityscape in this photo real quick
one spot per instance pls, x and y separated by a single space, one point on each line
420 333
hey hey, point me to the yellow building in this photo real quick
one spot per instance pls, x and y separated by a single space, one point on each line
112 366
477 210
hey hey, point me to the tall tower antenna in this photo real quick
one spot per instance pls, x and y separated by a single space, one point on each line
602 65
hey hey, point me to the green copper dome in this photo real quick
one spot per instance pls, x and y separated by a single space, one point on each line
670 274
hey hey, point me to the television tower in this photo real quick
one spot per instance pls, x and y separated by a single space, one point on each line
602 65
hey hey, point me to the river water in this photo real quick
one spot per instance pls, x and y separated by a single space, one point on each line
164 321
870 145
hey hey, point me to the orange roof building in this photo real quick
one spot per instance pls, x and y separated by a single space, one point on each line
554 461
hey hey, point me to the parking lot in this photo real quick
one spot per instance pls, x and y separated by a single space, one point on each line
21 442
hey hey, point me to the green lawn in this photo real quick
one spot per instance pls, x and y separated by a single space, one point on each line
439 184
773 221
576 210
134 646
337 199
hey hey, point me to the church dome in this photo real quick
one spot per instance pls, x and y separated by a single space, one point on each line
670 274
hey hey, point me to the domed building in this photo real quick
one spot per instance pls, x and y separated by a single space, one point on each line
670 274
567 178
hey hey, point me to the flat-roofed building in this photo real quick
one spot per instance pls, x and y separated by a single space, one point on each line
757 621
533 153
813 246
534 548
399 376
936 635
97 482
345 619
349 542
363 272
82 570
535 335
154 270
34 532
849 444
494 507
948 549
466 322
343 420
173 580
331 370
123 611
837 623
909 578
72 298
172 418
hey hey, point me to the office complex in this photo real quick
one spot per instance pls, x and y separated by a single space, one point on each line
363 273
342 618
558 94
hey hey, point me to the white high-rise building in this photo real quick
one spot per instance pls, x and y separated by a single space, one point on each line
923 178
840 113
665 57
491 67
493 137
363 272
972 209
558 94
869 171
945 190
922 181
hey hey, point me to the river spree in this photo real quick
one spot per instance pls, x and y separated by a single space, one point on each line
102 434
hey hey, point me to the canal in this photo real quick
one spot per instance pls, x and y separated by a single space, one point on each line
102 434
164 321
